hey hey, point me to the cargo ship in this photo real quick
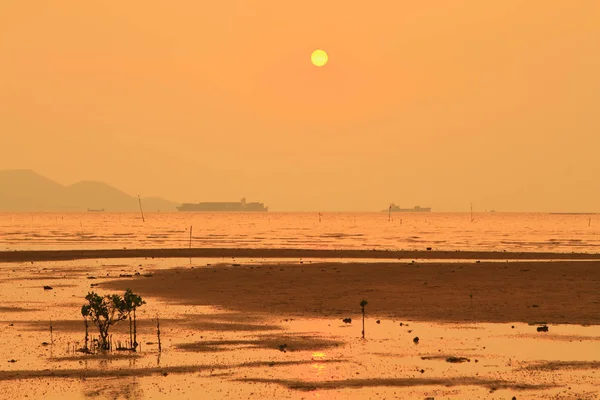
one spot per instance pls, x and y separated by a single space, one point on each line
395 208
216 206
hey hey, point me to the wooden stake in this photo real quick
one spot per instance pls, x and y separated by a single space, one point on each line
158 334
141 211
131 332
134 345
86 334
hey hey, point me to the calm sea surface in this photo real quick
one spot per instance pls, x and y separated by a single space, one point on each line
441 231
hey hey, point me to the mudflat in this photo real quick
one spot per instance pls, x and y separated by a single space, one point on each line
557 292
274 329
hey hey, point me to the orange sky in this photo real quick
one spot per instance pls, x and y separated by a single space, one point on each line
438 103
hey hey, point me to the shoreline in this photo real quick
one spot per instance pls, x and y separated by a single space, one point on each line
66 255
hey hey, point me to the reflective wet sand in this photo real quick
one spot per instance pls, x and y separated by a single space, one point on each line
224 350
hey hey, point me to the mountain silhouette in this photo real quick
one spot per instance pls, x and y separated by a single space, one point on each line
26 190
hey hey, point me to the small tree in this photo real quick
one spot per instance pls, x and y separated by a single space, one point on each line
104 311
363 303
132 302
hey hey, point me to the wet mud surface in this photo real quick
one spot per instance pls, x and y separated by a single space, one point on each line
224 350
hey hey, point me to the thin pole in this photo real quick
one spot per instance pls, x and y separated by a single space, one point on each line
158 333
141 211
363 313
191 227
390 213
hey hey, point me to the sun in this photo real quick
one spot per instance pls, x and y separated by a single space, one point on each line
319 57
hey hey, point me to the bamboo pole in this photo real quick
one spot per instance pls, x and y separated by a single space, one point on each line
141 211
158 333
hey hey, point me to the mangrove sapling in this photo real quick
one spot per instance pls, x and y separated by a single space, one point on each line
132 302
363 303
104 311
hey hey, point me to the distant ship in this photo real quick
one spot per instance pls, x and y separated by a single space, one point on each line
224 206
395 208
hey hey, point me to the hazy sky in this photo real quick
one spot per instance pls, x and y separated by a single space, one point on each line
438 103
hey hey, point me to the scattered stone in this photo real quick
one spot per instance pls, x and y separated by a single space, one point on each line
45 343
282 347
422 371
514 398
378 321
401 324
91 277
165 373
513 327
347 320
12 361
46 287
416 340
542 328
125 276
535 306
429 248
236 265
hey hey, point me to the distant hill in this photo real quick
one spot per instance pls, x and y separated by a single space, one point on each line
25 190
